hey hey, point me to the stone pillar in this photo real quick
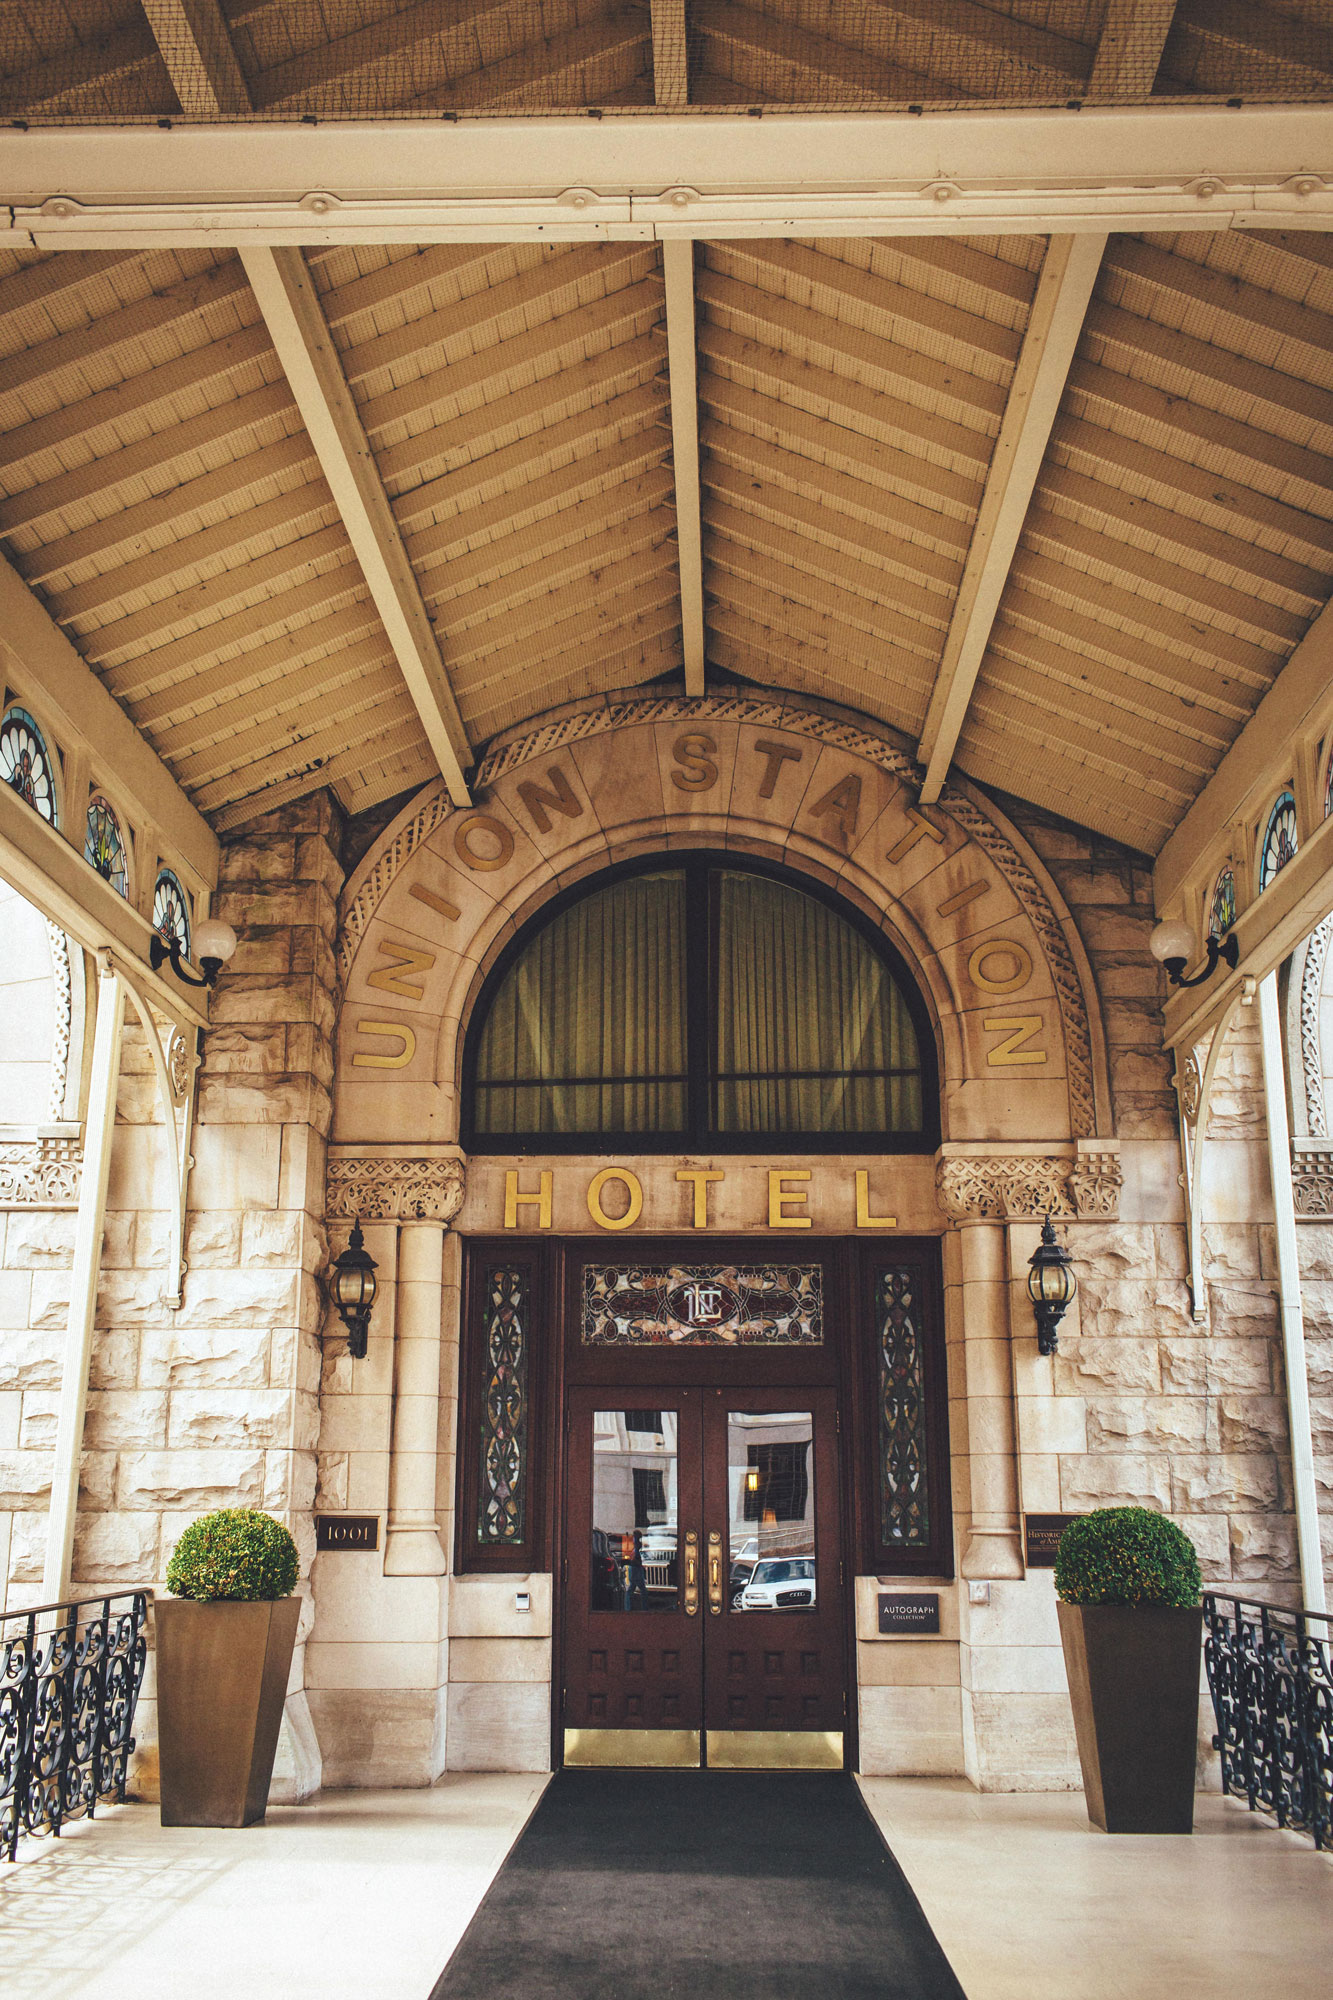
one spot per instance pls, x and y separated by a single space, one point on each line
412 1545
995 1543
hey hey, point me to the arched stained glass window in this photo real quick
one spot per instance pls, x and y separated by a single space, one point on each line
1279 838
104 844
25 763
699 1004
1222 911
171 911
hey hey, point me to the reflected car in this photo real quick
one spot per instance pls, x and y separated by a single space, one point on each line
744 1555
780 1583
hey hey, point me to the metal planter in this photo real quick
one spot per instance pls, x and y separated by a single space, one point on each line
221 1681
1134 1685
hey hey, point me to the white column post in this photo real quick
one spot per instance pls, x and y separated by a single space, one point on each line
1289 1300
412 1544
98 1133
995 1544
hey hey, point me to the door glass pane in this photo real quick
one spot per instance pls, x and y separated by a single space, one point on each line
771 1502
634 1499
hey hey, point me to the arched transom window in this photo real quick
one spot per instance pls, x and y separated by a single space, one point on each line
701 1003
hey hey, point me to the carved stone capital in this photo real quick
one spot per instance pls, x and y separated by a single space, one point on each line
1312 1177
425 1185
42 1171
1024 1187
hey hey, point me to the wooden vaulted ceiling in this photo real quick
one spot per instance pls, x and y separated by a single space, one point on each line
165 497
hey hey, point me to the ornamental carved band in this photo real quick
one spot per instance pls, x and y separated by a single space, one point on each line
407 1187
40 1173
1312 1178
1012 1189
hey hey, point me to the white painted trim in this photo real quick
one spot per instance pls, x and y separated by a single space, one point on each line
282 285
682 364
1068 274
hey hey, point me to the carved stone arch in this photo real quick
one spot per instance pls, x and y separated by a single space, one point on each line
442 891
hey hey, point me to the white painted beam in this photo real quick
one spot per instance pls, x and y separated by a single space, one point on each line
1130 48
287 299
682 364
196 48
1068 275
1258 761
560 179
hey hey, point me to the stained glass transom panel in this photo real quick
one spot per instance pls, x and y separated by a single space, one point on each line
1222 914
104 844
904 1493
1279 839
171 911
503 1498
703 1305
25 763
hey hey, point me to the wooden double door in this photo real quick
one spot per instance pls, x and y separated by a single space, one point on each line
703 1576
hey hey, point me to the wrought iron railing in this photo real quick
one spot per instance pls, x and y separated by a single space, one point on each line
69 1679
1270 1673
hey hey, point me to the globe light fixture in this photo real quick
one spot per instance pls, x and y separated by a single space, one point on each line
214 944
1052 1287
1174 944
352 1288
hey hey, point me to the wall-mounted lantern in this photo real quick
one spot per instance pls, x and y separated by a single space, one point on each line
1174 944
213 944
352 1288
1052 1286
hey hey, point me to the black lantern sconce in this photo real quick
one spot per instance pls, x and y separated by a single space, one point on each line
1052 1287
1173 944
214 943
352 1288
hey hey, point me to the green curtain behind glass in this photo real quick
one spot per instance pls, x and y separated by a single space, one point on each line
589 1015
799 989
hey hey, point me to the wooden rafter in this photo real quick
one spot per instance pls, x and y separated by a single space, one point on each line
682 362
286 296
671 62
1063 291
200 60
1133 36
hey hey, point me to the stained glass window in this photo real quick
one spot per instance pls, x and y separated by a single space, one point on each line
714 1305
104 844
904 1497
502 1500
1222 913
1279 838
171 911
25 763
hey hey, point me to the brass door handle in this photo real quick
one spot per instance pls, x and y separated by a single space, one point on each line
691 1572
715 1573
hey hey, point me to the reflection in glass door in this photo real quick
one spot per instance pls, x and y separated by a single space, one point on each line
634 1511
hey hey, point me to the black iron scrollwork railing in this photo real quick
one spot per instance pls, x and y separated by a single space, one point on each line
69 1679
1270 1673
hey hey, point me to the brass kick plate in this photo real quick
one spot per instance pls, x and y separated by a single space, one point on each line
775 1749
634 1749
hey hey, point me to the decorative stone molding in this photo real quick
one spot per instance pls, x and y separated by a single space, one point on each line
1014 1187
63 998
577 725
394 1187
1312 1178
1312 1067
43 1171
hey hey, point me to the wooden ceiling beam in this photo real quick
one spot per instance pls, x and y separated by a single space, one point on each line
79 67
982 52
671 57
581 58
1129 49
286 295
315 79
789 57
1068 275
682 369
221 285
1188 282
200 59
1231 46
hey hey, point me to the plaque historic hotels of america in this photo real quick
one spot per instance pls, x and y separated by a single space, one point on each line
703 1305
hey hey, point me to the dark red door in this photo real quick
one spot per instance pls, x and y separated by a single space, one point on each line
702 1577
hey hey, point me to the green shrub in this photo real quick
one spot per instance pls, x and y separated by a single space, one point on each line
235 1553
1127 1555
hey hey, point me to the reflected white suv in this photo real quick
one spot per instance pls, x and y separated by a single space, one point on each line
780 1583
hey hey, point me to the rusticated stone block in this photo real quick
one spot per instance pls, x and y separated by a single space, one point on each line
258 859
272 1100
260 1417
1121 1481
1115 1250
1216 1481
37 1428
29 1359
281 1238
1249 1423
1238 1310
1262 1545
1202 1367
331 1481
1138 1070
1146 1423
201 1357
25 1477
115 1549
1321 1421
261 953
40 1239
1125 1364
192 1480
97 1480
120 1419
289 1489
27 1549
241 1298
213 1238
1314 1243
1211 1536
1230 1252
251 1050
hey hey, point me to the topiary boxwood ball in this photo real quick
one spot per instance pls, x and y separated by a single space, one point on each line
1127 1555
237 1553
